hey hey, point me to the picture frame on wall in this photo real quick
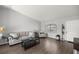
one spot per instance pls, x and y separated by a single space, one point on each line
51 28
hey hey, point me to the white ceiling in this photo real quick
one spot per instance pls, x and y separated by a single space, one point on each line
47 12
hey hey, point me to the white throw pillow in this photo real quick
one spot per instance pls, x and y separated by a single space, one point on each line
31 34
14 35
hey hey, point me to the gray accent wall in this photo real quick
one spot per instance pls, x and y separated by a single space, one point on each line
16 22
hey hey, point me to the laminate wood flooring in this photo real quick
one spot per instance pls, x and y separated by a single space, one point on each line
46 46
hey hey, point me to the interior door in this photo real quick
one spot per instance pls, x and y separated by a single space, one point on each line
72 30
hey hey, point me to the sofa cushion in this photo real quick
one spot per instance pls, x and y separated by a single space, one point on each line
14 35
23 34
24 37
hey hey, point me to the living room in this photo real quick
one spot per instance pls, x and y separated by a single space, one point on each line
55 24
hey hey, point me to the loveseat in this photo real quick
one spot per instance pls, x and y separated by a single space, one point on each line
17 37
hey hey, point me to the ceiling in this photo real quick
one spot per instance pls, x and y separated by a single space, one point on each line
47 12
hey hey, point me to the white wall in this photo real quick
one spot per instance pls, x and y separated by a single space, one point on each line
69 21
59 27
72 30
16 22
